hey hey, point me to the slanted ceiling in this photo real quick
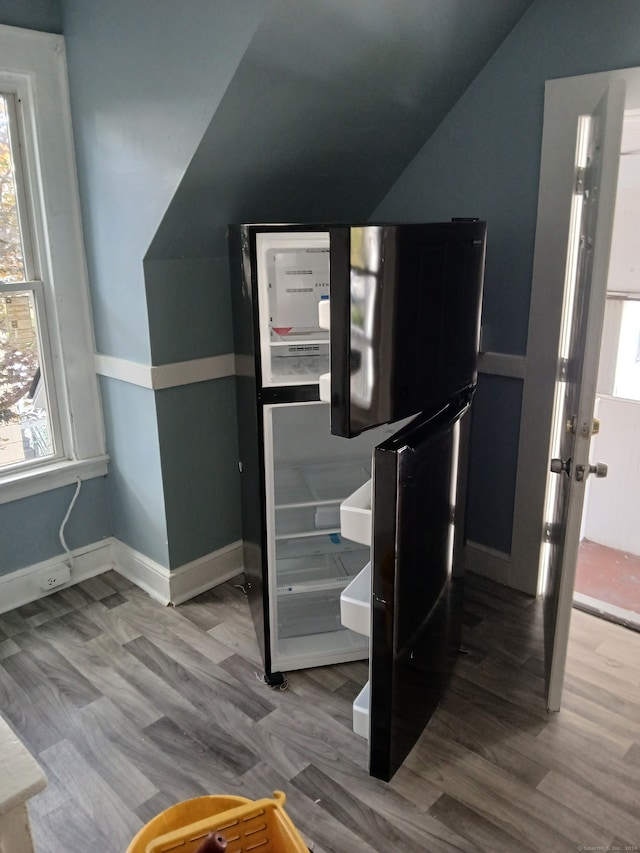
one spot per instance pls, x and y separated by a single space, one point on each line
330 103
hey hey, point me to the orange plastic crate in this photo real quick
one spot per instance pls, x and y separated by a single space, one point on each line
250 826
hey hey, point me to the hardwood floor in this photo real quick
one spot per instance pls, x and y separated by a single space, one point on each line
130 707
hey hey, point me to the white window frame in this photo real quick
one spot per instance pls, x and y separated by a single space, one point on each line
33 67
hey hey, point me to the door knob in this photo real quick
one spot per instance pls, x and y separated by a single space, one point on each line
558 466
600 469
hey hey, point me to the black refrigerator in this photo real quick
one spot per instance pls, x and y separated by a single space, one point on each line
356 363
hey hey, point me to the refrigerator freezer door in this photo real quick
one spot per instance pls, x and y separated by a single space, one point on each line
405 319
418 496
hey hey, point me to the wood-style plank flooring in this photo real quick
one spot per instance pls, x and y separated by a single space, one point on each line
130 706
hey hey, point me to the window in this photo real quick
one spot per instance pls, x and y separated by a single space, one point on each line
28 427
627 376
50 420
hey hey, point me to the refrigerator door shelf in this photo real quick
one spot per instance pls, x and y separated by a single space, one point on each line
361 713
355 603
355 515
325 387
324 314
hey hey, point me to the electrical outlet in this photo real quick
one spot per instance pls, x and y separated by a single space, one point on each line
55 576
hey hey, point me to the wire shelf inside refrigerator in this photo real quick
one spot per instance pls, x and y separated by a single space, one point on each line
322 483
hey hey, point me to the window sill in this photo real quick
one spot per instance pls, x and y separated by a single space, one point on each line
15 486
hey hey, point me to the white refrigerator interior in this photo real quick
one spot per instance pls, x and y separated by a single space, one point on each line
308 473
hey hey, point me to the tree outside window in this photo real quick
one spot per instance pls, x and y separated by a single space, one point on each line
24 423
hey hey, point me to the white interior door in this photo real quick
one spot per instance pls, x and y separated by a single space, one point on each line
591 222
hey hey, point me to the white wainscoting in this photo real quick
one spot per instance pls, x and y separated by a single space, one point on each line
185 582
160 376
23 586
168 587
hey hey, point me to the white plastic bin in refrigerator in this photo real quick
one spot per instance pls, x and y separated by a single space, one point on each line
325 387
324 314
355 515
361 713
355 603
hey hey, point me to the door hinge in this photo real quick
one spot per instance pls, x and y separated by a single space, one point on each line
551 532
581 180
563 369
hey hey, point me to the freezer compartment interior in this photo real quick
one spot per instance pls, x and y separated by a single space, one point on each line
291 364
293 278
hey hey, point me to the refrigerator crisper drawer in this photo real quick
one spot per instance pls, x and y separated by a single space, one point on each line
308 613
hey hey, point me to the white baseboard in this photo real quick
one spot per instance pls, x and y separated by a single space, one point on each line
487 562
206 572
183 583
23 586
144 572
168 587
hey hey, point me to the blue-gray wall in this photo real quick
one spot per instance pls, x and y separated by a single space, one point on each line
145 79
329 103
197 423
29 528
134 479
31 15
484 160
